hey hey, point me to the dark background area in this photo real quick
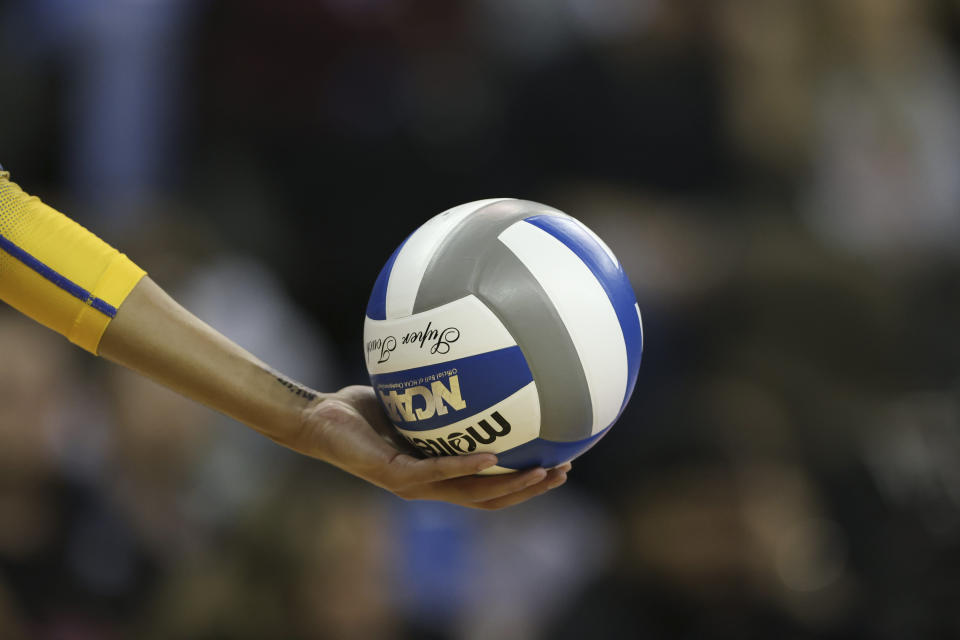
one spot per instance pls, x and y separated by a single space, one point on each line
781 180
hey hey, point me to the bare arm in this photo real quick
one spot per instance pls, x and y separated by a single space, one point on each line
66 278
155 336
158 338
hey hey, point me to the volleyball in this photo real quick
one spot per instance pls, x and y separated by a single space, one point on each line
503 326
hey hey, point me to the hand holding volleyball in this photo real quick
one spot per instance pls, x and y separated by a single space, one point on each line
348 429
503 326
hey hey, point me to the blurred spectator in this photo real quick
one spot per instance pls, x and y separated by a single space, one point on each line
888 154
123 61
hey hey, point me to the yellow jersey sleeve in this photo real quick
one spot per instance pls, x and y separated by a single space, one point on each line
57 272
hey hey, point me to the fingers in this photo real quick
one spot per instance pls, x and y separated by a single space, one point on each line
554 478
488 488
453 479
492 492
482 489
409 471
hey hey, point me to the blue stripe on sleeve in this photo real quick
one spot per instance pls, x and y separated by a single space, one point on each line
61 281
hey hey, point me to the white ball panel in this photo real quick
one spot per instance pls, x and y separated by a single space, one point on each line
585 309
412 261
520 411
463 328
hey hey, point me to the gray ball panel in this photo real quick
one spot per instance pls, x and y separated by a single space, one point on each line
456 262
510 290
472 260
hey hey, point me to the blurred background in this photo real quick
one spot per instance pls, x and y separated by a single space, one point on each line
780 178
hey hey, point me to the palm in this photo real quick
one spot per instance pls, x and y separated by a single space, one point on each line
349 430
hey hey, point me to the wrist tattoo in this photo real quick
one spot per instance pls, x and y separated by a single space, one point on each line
297 389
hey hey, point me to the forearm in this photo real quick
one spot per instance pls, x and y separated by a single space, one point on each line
63 276
155 336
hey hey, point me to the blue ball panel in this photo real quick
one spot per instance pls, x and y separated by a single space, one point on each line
611 277
485 379
377 306
545 453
